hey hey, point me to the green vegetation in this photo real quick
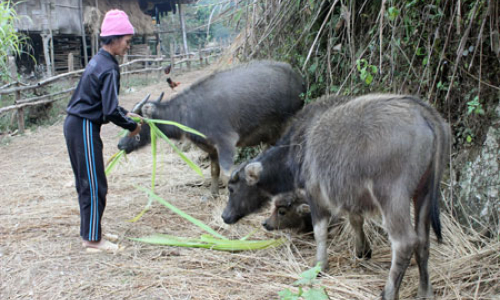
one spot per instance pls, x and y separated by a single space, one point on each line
11 41
204 24
213 240
307 287
446 52
155 133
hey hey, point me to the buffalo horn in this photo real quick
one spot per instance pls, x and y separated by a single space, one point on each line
161 97
137 108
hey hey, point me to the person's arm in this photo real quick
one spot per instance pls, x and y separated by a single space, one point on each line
110 108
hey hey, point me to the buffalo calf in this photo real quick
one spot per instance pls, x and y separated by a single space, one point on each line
290 210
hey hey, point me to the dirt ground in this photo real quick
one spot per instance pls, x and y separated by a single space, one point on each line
41 255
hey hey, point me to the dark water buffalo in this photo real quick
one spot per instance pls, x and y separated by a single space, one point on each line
373 153
244 106
290 210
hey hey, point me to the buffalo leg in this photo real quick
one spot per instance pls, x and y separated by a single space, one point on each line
214 172
363 249
321 237
320 221
422 225
396 211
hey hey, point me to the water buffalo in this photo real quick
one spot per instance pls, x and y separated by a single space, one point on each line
282 164
243 106
290 210
373 153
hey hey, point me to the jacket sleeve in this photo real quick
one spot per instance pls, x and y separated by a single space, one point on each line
110 109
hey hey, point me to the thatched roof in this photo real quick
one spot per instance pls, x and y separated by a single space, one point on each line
93 15
139 11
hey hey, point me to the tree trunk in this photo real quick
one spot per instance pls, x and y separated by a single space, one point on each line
183 29
46 52
84 38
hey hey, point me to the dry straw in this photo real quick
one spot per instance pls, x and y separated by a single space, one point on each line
214 240
41 256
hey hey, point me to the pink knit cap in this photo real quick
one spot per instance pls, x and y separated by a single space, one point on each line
116 23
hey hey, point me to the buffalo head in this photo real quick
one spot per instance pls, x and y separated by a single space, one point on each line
143 108
246 196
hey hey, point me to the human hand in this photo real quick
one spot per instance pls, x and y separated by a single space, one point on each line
135 117
136 131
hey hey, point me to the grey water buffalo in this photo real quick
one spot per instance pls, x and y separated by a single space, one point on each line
243 106
290 210
282 165
373 153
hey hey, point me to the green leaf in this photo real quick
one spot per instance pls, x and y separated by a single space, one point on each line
313 67
208 242
393 13
113 161
153 154
369 78
182 213
315 294
183 127
469 139
143 211
363 74
177 150
286 294
334 88
309 277
358 64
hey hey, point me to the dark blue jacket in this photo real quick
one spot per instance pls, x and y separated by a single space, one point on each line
96 96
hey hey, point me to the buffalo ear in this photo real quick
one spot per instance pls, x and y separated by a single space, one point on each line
252 173
303 209
301 193
235 176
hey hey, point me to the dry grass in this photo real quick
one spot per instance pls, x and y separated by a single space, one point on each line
93 16
41 256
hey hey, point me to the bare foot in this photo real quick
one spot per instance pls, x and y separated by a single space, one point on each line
102 245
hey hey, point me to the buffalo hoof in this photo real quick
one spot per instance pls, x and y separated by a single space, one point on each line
364 254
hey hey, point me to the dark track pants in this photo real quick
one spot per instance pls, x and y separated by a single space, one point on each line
85 152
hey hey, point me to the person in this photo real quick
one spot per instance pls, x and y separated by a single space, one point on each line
95 102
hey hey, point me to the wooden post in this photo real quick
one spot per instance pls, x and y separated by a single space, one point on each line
13 77
158 56
51 43
200 55
12 68
172 59
125 60
93 44
20 115
84 37
146 65
183 28
46 38
71 62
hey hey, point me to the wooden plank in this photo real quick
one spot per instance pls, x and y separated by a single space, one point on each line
20 115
